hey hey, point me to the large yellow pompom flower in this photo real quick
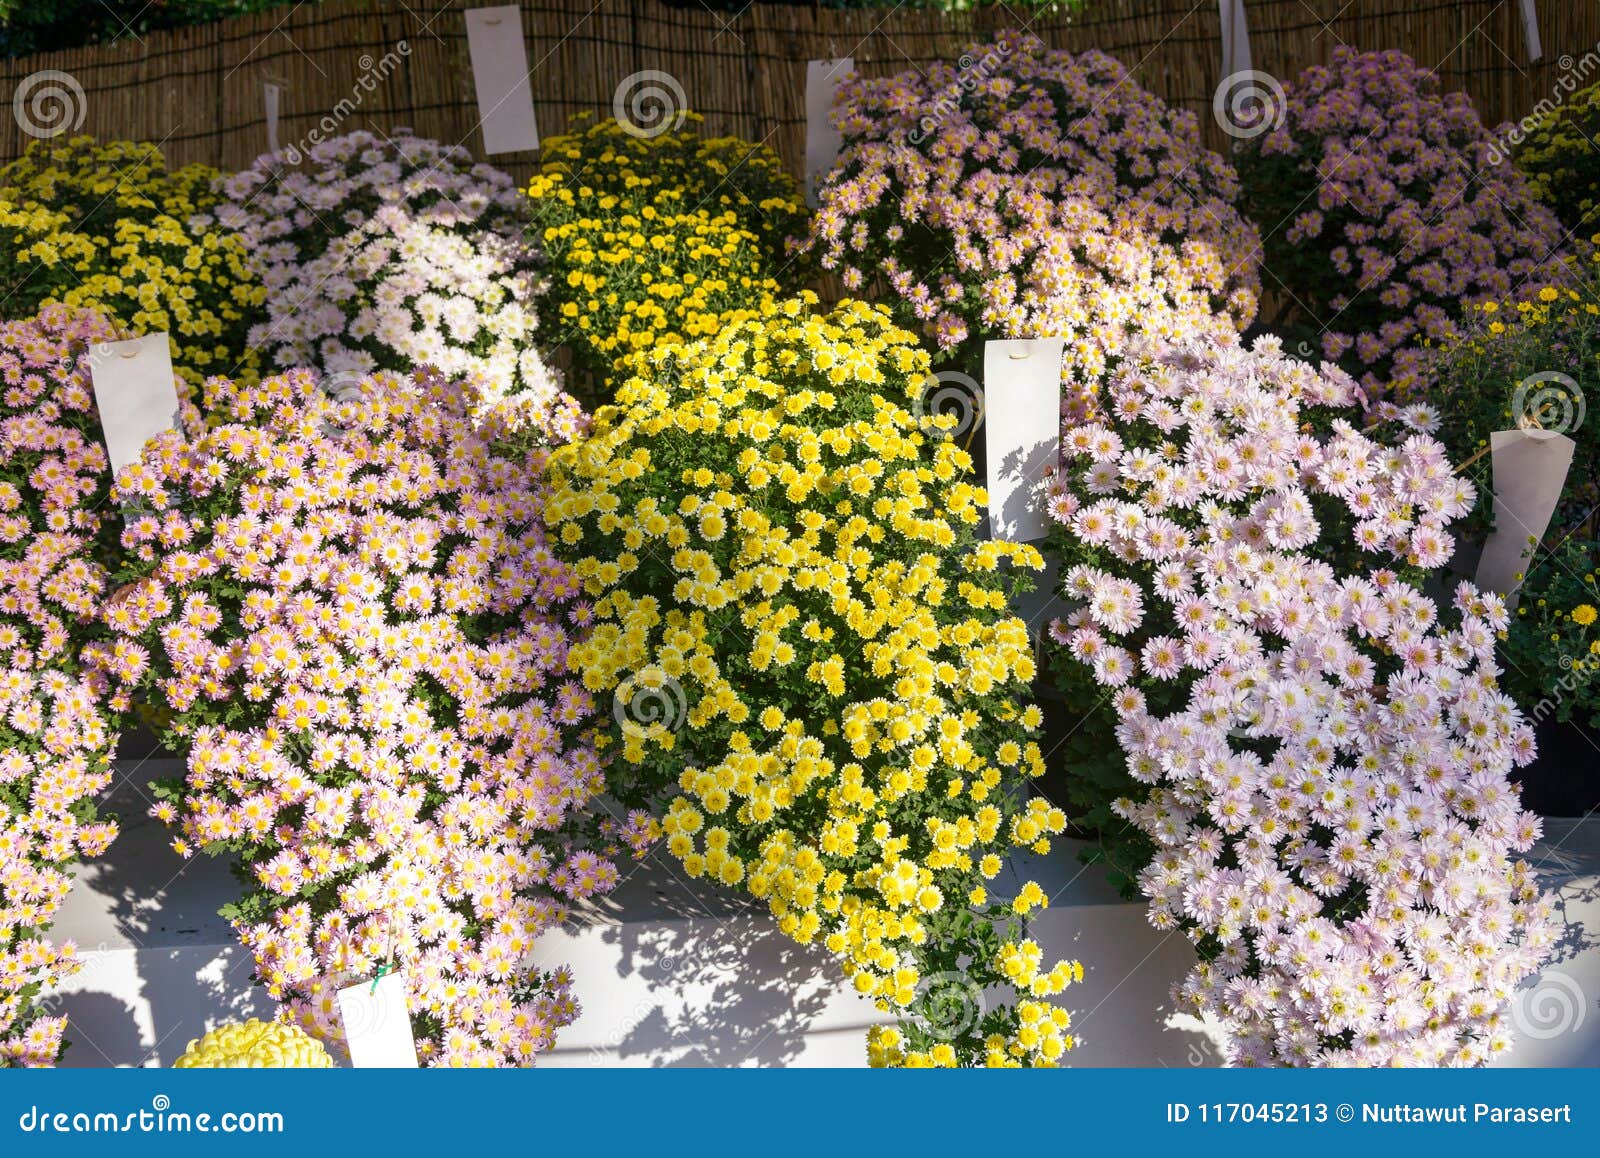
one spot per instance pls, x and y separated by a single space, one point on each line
255 1044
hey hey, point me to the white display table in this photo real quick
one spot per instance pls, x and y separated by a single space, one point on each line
671 975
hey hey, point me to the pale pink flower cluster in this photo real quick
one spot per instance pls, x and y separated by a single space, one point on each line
57 736
1385 213
387 253
1329 796
1029 193
352 611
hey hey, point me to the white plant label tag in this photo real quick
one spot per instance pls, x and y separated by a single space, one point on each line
500 74
1530 468
1235 37
1022 432
1530 30
377 1024
271 96
823 141
135 393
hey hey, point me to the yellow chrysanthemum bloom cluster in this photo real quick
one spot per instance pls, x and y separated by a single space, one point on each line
255 1044
721 174
1552 647
1533 360
812 664
625 280
1562 165
94 184
1530 360
106 228
659 239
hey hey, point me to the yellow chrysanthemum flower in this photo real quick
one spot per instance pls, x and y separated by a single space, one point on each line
846 738
255 1044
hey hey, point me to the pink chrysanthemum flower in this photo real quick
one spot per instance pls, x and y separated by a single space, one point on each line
1386 213
57 735
1322 761
1028 193
354 615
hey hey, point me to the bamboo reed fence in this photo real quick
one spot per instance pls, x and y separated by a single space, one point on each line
199 91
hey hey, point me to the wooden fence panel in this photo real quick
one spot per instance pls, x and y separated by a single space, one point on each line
382 64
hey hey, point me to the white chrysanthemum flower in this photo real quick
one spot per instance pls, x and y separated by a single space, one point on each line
1325 777
391 254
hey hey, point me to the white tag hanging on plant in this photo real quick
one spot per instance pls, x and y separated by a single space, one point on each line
1021 432
1530 470
823 141
135 394
271 98
377 1023
500 75
1530 30
1235 37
